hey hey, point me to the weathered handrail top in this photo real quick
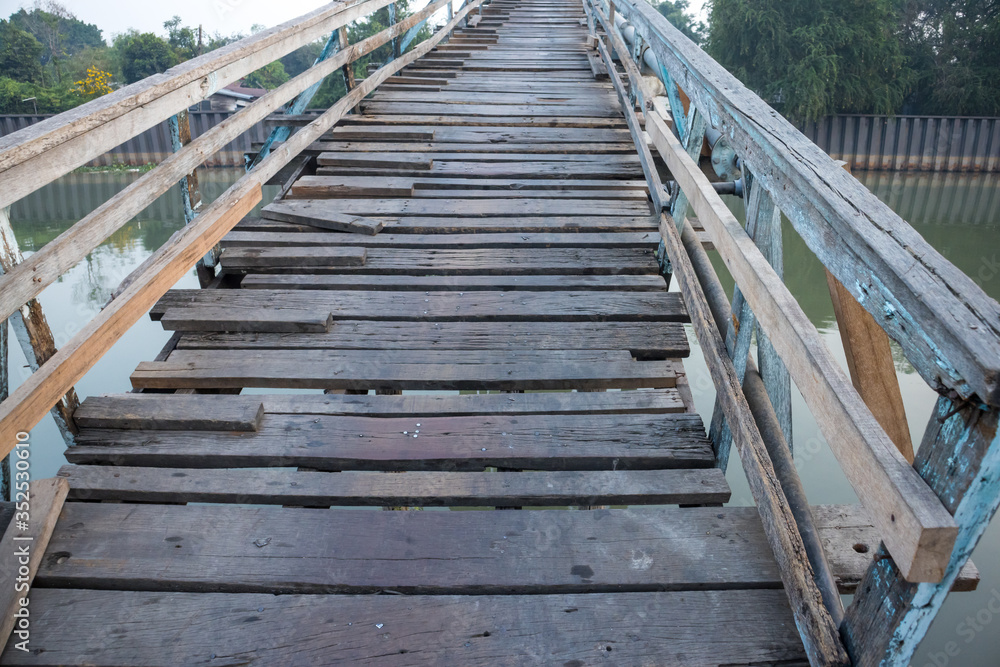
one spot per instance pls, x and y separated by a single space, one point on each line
57 145
948 327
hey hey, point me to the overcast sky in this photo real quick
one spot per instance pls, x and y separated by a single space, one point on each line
223 16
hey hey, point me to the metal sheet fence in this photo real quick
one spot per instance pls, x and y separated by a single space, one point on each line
909 143
888 143
153 145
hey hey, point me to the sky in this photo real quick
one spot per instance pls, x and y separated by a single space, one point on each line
222 16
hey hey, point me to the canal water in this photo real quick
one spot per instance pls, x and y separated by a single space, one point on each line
959 214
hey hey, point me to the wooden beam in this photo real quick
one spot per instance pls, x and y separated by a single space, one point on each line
945 323
917 529
23 548
869 359
39 154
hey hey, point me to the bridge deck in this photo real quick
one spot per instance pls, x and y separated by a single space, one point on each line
515 252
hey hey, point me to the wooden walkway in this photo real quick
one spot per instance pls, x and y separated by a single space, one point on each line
483 225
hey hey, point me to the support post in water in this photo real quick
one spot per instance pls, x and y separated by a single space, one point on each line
180 136
33 333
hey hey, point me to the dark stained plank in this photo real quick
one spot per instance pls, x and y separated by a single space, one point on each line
323 256
432 207
276 486
485 134
407 224
456 283
242 306
405 370
240 239
473 443
455 261
654 401
125 629
643 341
360 120
166 412
499 147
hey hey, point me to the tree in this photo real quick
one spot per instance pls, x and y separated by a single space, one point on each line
142 55
59 32
952 46
268 77
20 54
813 58
676 11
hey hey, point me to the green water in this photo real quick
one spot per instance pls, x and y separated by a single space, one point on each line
958 214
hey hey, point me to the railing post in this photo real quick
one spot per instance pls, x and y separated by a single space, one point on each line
392 21
32 332
694 137
180 136
959 459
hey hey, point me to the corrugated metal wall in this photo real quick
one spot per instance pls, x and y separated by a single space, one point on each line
891 143
153 145
909 143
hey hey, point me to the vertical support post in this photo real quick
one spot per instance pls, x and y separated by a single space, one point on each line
394 43
33 333
959 459
4 392
348 69
302 100
451 12
180 136
607 36
869 359
694 138
772 369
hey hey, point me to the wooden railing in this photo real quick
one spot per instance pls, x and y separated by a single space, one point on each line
41 153
886 281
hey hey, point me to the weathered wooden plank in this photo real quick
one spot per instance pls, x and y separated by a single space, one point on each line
414 489
488 135
270 240
325 219
482 121
407 186
408 224
643 341
429 207
473 443
492 169
266 257
122 629
23 543
456 283
410 369
151 412
434 306
465 261
918 530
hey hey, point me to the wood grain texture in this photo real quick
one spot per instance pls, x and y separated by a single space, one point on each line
152 412
640 628
24 549
333 442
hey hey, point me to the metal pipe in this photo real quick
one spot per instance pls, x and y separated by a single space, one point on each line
770 431
722 188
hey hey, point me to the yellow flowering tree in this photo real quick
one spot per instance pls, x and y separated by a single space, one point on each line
96 83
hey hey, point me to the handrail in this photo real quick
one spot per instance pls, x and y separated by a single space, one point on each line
143 287
39 154
947 326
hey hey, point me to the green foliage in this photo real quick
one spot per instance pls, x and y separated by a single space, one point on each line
48 100
20 53
676 11
60 34
953 47
143 54
809 59
268 77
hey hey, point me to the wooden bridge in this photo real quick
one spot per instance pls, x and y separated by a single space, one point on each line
512 209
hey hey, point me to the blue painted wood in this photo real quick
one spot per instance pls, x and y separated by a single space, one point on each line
676 106
959 459
301 101
175 143
393 43
697 124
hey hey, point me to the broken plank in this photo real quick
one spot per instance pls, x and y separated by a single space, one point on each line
322 256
